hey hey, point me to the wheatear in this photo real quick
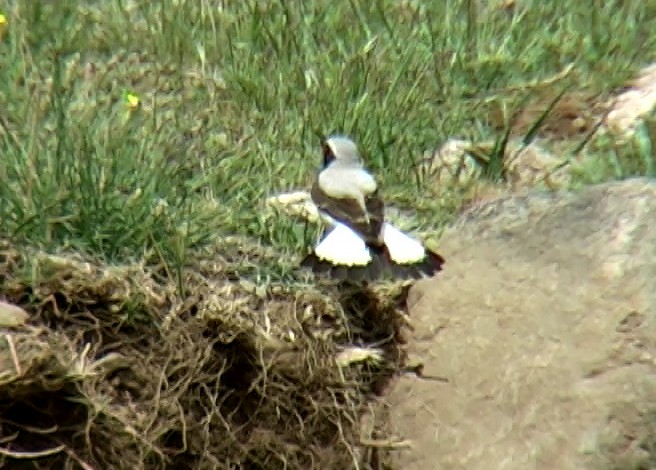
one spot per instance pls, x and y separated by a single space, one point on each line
360 244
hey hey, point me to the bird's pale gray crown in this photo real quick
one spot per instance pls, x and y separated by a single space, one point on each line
340 149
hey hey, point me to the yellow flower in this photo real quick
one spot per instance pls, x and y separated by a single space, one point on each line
132 101
3 25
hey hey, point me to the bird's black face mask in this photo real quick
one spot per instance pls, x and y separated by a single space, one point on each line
328 155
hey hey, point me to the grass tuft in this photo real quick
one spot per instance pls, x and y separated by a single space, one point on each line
233 98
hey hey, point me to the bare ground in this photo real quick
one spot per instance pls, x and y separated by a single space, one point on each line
543 320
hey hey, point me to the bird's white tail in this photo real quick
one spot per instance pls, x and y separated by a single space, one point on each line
342 246
345 253
402 248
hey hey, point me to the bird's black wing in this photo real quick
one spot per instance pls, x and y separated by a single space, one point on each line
349 212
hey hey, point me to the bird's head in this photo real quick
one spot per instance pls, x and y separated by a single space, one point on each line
340 149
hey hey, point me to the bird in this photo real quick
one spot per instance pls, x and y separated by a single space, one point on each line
360 244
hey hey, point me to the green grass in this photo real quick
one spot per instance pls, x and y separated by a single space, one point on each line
235 96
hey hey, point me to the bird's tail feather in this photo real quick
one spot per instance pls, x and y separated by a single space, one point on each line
342 254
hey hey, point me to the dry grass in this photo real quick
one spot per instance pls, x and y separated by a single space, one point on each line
116 369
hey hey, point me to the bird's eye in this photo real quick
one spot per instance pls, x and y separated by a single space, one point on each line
328 155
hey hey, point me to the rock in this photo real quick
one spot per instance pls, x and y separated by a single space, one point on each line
634 103
461 163
12 315
450 164
544 320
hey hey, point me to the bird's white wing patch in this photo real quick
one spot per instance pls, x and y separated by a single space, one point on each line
343 247
402 248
